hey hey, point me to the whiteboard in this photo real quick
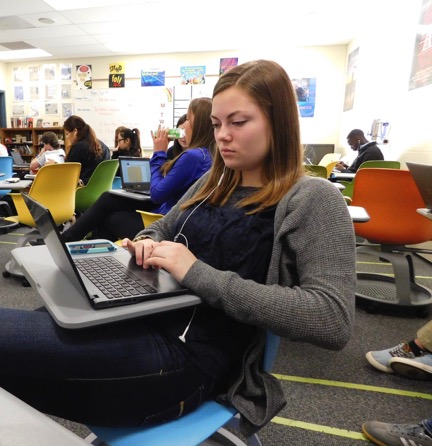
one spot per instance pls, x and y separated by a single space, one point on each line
108 108
143 108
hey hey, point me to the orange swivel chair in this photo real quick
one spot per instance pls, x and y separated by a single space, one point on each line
391 198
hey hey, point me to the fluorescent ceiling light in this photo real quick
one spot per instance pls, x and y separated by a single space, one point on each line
62 5
23 54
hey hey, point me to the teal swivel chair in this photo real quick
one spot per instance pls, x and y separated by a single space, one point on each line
100 181
6 167
207 422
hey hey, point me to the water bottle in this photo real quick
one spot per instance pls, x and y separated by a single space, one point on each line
174 133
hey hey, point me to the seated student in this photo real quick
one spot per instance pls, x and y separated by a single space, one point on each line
113 216
128 144
367 151
51 152
116 136
249 244
85 148
3 150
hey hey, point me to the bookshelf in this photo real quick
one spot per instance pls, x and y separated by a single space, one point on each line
27 139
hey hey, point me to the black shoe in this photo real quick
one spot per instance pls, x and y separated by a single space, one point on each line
37 242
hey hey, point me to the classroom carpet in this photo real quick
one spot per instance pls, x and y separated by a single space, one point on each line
329 393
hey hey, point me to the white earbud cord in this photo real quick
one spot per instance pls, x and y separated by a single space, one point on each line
196 207
183 336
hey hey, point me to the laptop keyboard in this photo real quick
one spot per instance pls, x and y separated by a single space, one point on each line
112 277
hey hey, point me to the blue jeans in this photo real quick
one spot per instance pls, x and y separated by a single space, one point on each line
123 374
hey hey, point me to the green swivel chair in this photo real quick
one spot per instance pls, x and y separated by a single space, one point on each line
100 181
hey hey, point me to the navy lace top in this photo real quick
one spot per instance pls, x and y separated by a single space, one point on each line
227 239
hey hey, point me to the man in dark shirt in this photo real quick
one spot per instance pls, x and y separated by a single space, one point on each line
367 151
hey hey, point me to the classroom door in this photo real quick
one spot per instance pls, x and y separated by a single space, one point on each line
2 109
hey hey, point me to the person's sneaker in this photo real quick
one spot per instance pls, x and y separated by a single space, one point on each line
419 367
386 434
380 359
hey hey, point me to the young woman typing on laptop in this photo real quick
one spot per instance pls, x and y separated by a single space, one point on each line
113 216
247 238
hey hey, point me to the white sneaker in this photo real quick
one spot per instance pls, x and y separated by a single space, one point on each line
381 359
419 367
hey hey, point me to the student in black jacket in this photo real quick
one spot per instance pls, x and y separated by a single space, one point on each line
85 148
367 151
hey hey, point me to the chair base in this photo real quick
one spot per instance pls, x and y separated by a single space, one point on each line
399 290
383 289
5 225
12 268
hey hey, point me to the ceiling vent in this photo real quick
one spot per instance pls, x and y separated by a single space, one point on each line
14 22
16 45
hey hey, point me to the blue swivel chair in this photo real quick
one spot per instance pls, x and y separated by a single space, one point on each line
207 422
6 167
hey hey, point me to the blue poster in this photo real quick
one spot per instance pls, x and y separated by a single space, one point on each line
305 89
152 78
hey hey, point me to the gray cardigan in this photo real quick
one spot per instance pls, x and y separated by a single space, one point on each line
308 295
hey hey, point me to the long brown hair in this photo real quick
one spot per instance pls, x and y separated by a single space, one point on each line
84 133
202 130
270 87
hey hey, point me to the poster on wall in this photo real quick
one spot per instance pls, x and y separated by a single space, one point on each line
116 77
18 93
305 89
421 69
66 72
83 79
192 75
153 78
350 79
19 74
226 63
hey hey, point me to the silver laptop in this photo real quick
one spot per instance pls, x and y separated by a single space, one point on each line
108 279
18 160
422 175
135 174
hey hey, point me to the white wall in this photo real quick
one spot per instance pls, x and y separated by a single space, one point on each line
384 66
327 64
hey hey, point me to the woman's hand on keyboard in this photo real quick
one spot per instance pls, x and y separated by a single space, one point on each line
173 257
141 249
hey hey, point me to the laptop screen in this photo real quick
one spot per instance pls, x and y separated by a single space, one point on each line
58 250
422 174
17 158
135 172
